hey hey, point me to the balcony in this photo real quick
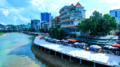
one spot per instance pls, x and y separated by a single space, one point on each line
64 11
67 26
69 15
68 20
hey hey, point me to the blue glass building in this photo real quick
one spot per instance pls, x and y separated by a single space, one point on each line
45 17
35 24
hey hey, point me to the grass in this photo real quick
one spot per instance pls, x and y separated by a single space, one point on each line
1 33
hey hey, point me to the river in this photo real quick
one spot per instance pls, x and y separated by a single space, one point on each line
15 51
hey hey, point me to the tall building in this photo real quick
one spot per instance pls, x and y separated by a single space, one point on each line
45 20
116 14
35 24
70 16
45 17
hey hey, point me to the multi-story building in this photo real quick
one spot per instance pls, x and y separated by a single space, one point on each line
29 26
70 16
52 23
45 17
116 14
45 20
35 24
57 20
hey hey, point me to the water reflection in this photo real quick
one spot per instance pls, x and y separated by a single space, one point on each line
16 52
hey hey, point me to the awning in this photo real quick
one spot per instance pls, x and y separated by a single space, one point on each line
111 47
116 45
72 40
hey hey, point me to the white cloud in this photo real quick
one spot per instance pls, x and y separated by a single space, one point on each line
2 23
72 1
37 1
35 4
53 5
108 1
111 2
23 18
15 18
89 12
40 9
5 11
14 23
99 1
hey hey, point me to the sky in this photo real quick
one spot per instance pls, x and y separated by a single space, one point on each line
22 11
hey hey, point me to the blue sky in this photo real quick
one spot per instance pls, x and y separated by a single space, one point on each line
21 11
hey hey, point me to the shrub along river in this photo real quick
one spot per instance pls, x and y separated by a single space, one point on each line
15 51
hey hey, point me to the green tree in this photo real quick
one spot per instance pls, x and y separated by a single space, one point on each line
56 32
41 29
30 29
98 24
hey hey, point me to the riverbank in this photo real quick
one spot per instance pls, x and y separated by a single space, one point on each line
53 60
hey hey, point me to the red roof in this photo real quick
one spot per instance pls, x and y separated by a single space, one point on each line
79 5
72 5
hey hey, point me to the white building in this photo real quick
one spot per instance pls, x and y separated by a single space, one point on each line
116 14
70 16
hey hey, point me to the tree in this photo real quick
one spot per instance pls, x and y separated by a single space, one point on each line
26 29
41 29
56 32
30 29
98 24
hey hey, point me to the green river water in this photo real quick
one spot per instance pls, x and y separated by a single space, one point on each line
15 51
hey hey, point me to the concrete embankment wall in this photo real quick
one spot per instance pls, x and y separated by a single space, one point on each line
55 61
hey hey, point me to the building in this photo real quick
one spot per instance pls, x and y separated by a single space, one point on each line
57 20
29 26
116 14
45 21
52 23
35 24
70 16
45 17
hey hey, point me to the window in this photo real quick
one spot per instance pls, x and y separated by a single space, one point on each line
77 30
115 13
80 12
70 30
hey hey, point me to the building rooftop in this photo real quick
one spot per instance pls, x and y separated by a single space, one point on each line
72 5
79 5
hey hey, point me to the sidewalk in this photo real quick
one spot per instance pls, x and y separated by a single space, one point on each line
100 58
